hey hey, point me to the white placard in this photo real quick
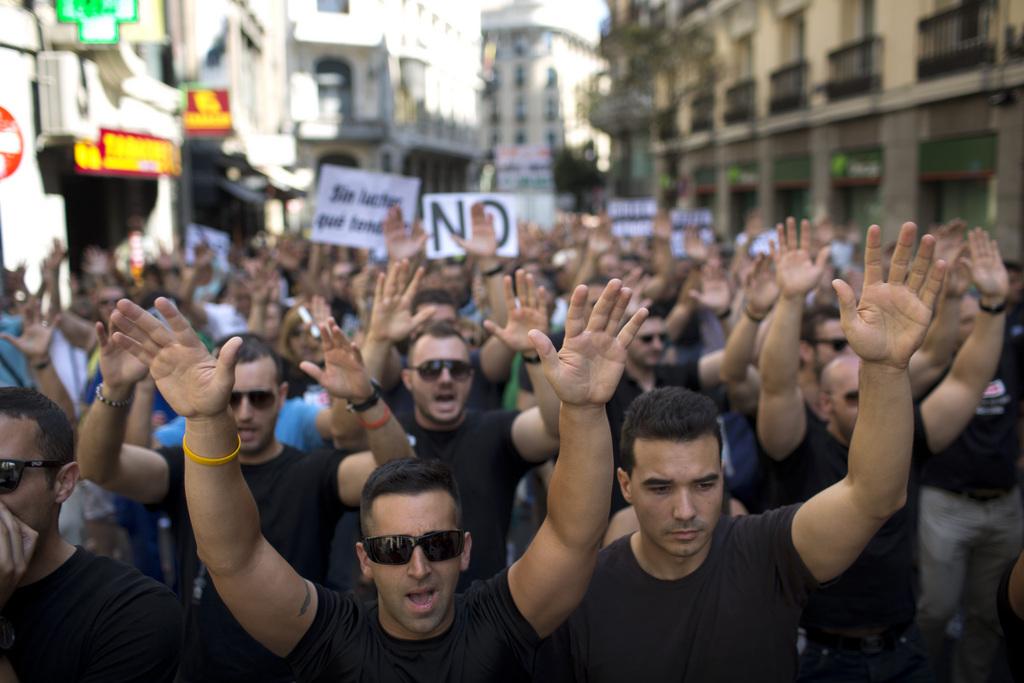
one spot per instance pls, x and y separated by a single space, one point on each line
523 168
217 240
687 218
445 215
632 217
351 205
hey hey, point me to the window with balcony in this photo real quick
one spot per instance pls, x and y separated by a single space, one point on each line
551 109
789 83
553 138
334 88
520 76
957 38
552 80
335 6
520 44
520 137
520 110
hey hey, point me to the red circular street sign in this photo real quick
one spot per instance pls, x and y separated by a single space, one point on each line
12 146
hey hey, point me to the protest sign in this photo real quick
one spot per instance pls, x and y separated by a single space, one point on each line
445 215
217 240
351 205
690 218
632 217
523 168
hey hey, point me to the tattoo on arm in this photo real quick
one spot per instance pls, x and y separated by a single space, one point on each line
305 603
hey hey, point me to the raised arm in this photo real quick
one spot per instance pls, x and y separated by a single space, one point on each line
781 416
885 328
947 410
34 344
737 369
103 456
224 515
347 380
549 580
391 320
534 431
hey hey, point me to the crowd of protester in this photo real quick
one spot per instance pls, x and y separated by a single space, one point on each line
789 455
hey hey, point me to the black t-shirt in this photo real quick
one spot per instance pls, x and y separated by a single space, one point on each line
487 468
733 619
95 619
297 497
1013 626
489 640
686 375
984 456
877 588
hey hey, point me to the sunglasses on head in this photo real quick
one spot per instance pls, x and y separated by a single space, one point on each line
259 399
11 471
431 370
437 546
836 344
648 338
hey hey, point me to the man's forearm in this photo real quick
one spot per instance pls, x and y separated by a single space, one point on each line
495 285
101 435
224 515
50 386
780 357
978 358
496 360
389 442
546 398
880 450
739 350
376 356
936 352
139 431
579 495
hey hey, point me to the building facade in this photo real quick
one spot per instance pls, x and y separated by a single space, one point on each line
539 70
387 85
868 111
100 133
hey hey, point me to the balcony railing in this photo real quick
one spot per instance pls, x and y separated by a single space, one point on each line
739 102
789 88
853 69
958 38
691 5
702 116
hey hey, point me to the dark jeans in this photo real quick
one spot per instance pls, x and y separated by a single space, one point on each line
907 661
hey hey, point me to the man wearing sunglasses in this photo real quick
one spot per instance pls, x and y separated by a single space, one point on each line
300 496
865 620
66 614
417 630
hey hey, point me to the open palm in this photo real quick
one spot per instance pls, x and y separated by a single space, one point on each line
590 364
193 382
391 317
483 243
891 319
118 367
796 272
528 313
344 375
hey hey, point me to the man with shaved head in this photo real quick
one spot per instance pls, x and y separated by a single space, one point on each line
861 626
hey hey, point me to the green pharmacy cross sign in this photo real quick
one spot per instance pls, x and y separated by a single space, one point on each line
98 20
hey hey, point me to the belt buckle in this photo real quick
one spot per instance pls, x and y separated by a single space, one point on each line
872 645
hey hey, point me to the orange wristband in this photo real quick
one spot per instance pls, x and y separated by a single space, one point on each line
376 424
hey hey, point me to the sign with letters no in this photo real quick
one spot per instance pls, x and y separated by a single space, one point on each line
351 205
445 215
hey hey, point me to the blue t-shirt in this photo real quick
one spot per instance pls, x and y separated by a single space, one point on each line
296 427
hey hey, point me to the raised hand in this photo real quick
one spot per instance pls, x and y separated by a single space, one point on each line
391 317
599 238
120 369
344 375
795 272
193 382
714 292
400 244
662 226
51 264
693 245
586 371
528 313
891 319
760 290
96 262
483 243
36 333
987 269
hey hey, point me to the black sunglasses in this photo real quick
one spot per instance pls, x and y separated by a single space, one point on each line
259 399
836 344
431 370
438 546
648 338
852 398
11 471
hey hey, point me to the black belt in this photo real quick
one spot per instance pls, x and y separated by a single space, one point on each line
983 495
869 645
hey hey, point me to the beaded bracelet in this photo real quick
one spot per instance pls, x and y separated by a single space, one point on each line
113 404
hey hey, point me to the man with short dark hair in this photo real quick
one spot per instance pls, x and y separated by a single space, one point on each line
693 596
66 614
300 495
413 548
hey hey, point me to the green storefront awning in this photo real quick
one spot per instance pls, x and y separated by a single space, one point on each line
861 165
743 174
962 156
792 170
704 175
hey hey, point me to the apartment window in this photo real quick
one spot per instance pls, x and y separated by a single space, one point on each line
552 139
520 76
337 6
334 88
520 137
520 110
793 39
867 17
552 77
521 44
547 39
495 139
744 54
551 109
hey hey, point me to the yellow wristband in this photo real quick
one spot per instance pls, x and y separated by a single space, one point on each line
212 462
